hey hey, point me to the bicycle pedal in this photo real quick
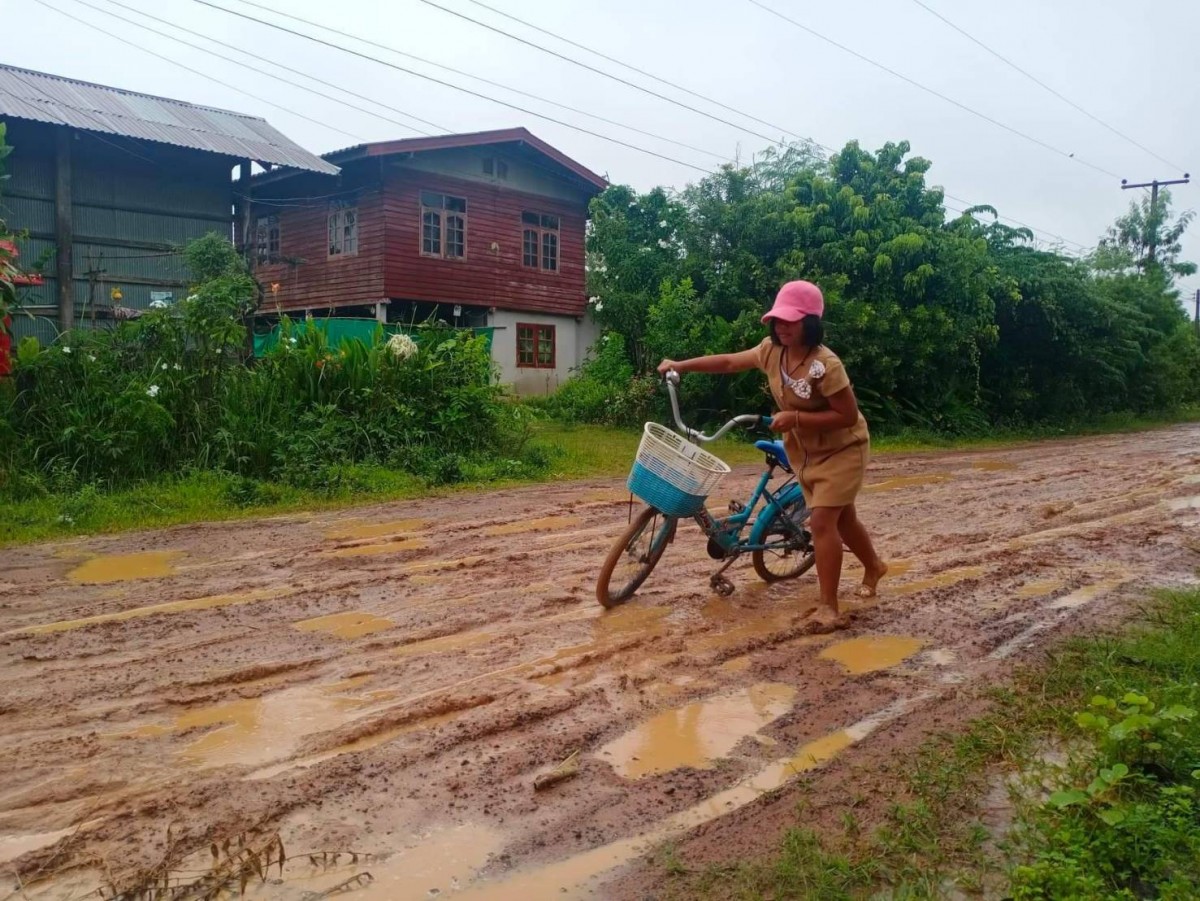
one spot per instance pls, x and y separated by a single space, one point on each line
722 586
737 507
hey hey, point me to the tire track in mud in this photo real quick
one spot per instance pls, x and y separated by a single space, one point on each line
383 674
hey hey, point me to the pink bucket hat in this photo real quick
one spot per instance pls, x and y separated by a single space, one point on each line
796 300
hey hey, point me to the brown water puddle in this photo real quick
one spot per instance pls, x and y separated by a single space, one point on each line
993 465
699 734
628 619
605 496
1039 588
544 524
356 529
354 624
125 567
453 563
574 877
899 482
204 603
365 743
374 550
940 580
442 863
456 642
1088 593
1031 539
13 846
871 653
255 731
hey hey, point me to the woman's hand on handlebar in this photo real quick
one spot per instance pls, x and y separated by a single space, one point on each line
666 366
784 422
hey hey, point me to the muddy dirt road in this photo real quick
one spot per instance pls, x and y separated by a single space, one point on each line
390 680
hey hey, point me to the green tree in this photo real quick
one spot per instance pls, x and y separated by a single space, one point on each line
1127 245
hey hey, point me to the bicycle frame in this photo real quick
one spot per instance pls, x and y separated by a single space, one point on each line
727 532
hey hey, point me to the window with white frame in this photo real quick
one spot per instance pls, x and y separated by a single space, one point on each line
443 226
539 241
343 230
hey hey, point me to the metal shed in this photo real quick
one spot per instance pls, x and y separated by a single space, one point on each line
110 184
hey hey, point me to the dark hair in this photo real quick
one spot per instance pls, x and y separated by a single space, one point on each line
812 331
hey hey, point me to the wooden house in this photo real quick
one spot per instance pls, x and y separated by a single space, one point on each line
110 184
478 230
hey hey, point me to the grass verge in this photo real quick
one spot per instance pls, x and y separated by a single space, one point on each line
575 452
1112 813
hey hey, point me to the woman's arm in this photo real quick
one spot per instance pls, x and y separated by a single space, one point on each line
842 414
717 364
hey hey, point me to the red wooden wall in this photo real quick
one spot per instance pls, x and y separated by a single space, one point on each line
313 279
389 263
491 273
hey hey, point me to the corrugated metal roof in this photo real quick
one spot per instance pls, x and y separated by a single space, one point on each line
25 94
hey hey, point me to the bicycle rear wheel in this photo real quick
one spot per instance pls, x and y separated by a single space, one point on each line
789 553
633 556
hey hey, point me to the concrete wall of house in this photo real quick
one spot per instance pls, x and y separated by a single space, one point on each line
573 338
134 204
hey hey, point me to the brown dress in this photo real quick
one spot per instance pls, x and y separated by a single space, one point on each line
830 464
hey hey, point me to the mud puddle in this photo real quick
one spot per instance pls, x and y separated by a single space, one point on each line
698 734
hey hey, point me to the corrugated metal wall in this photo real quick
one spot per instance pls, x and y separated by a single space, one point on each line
134 205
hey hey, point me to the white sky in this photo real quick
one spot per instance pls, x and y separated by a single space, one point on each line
1136 69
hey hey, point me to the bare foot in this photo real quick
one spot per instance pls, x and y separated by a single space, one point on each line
870 583
824 620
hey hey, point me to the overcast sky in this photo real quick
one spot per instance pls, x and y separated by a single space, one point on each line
1136 69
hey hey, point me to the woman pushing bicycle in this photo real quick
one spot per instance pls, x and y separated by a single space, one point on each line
825 435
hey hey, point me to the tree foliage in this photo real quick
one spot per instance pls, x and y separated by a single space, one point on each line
946 324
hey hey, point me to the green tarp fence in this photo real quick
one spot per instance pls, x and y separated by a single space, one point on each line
339 329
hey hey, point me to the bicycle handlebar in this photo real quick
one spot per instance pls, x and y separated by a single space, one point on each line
672 380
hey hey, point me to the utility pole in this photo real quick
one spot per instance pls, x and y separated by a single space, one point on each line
1154 186
1198 312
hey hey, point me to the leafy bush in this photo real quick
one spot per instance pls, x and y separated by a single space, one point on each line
1132 828
172 391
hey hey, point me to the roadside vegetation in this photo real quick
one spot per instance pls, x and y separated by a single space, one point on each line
960 332
1093 754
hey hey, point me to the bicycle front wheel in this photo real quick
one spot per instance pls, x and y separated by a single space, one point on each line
633 556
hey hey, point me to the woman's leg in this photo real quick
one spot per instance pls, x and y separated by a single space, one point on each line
823 524
854 534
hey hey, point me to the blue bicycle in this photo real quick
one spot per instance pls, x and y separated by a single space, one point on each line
674 477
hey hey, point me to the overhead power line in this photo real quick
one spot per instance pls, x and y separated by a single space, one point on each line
1018 222
252 68
601 72
962 106
1071 103
642 72
389 49
452 86
479 78
348 91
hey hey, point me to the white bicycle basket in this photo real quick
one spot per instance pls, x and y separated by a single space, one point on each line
672 474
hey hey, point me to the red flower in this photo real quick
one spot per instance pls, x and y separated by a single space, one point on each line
10 248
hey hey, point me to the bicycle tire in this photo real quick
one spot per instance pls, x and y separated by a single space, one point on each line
803 561
660 538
